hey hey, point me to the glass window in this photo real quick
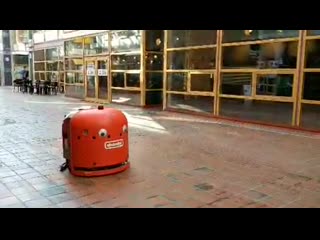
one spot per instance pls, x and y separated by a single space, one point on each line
267 55
177 82
310 117
188 38
52 76
52 66
259 111
312 54
236 84
74 78
39 67
21 59
275 85
154 80
202 82
61 66
198 104
61 52
154 61
133 79
74 47
313 32
126 41
74 64
39 55
52 54
192 59
96 45
154 40
153 98
117 79
311 88
251 35
125 62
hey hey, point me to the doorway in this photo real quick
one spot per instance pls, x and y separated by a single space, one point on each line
96 80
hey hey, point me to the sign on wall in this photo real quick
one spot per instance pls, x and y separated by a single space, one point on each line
102 72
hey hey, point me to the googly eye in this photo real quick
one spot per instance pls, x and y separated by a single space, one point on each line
103 133
125 128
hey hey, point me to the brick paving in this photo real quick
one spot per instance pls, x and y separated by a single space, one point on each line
177 161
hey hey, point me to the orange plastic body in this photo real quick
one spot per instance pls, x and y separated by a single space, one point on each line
91 153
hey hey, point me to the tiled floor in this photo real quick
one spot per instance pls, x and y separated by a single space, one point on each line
177 161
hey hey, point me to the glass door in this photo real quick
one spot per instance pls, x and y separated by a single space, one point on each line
102 65
90 78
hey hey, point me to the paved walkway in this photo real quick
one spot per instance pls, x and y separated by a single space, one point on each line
177 161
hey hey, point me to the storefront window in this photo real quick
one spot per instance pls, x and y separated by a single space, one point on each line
39 55
263 56
72 78
189 38
154 62
126 41
312 54
154 80
154 40
125 62
275 85
74 64
74 47
252 35
96 45
311 88
52 54
200 104
313 32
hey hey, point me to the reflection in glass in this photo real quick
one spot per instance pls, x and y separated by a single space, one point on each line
312 54
74 47
313 32
154 40
198 104
74 64
125 41
126 97
188 38
275 85
267 55
154 80
133 79
310 116
202 82
117 79
103 79
311 88
153 98
192 59
74 78
52 54
52 76
260 111
154 62
251 35
125 62
236 84
52 66
39 67
91 86
96 44
39 55
177 82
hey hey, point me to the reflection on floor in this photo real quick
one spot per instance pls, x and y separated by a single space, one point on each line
126 97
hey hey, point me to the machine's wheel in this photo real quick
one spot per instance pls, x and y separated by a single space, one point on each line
65 166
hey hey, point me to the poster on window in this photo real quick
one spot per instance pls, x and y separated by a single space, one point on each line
91 72
102 72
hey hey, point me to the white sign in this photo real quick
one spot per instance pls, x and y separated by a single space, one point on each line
247 90
114 144
91 72
102 72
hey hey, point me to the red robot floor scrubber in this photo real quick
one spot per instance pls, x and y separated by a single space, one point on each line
95 142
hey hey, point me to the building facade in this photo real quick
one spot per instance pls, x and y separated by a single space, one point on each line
264 76
14 54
